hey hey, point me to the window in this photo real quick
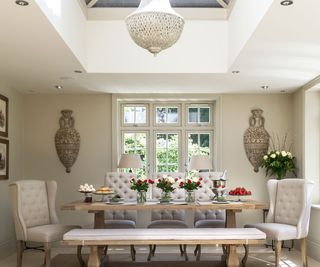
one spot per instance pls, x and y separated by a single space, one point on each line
165 134
134 114
199 143
167 152
136 143
199 115
168 115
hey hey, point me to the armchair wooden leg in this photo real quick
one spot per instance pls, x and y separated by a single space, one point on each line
79 256
47 257
150 253
199 253
278 245
154 249
181 250
196 250
133 252
20 249
303 244
245 258
185 252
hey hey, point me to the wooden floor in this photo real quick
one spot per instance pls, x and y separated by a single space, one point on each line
120 257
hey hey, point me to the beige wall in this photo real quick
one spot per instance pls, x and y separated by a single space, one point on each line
92 115
7 236
235 114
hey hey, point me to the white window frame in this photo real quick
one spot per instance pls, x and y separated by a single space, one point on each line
134 124
211 134
155 148
198 106
166 106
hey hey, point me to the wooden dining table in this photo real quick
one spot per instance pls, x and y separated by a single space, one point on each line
98 208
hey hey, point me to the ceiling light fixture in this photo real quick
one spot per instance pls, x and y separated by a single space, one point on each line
286 3
22 3
235 71
59 87
265 87
155 26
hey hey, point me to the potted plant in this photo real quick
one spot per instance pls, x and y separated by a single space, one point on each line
166 184
190 185
141 186
278 163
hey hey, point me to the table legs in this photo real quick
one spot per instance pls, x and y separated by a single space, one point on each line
94 260
99 220
231 219
232 259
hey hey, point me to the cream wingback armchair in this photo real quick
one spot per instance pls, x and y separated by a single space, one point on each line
289 214
122 219
35 218
168 218
207 218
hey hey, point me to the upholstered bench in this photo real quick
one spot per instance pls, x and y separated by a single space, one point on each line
232 237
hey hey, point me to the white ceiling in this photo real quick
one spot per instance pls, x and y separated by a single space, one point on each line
283 52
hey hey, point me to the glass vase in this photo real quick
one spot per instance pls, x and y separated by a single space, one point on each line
141 197
190 196
165 197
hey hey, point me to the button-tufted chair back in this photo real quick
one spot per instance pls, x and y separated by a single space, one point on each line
33 203
178 194
290 203
209 215
120 182
205 193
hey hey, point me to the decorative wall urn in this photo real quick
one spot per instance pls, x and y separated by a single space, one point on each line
256 139
67 140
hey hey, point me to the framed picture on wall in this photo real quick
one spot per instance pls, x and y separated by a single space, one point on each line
4 159
4 116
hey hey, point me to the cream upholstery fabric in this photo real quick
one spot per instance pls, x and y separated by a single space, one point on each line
178 194
120 182
159 218
33 205
208 218
165 234
290 206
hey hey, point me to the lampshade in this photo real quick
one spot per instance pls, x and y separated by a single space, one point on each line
155 26
130 161
200 162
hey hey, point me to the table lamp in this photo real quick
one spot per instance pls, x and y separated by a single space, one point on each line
130 161
200 162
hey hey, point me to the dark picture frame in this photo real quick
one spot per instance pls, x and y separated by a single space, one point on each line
4 159
4 109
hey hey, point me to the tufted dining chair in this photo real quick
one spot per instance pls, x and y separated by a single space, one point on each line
35 218
207 218
289 214
168 218
121 219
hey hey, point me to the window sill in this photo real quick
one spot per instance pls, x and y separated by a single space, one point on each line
316 206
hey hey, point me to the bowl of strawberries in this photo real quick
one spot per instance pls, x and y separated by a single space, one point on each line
240 192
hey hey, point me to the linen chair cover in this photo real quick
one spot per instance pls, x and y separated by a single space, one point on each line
289 214
123 219
120 182
168 218
34 214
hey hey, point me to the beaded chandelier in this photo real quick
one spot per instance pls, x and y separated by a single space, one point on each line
155 26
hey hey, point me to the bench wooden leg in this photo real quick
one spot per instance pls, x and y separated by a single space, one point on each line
278 245
133 252
181 250
303 244
185 252
94 260
245 258
79 255
233 260
150 253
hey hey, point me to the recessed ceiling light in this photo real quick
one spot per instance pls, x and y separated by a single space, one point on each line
235 71
286 3
22 3
265 87
283 91
78 71
59 87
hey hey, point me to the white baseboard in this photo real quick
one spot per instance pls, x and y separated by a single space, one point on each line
7 248
313 248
